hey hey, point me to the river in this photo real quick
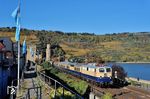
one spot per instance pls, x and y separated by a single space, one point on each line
141 70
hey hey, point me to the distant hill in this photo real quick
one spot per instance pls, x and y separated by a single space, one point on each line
122 47
10 32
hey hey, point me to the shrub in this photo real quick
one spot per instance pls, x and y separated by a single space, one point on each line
46 65
107 96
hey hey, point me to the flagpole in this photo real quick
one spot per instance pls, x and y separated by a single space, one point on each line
18 72
18 64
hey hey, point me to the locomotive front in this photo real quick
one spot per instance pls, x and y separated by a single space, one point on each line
104 75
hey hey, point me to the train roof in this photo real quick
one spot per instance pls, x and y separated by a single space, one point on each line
94 66
69 63
89 65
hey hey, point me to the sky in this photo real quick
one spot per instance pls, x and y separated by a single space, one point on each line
92 16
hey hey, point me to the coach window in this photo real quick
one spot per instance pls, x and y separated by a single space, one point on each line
87 68
101 70
108 70
72 65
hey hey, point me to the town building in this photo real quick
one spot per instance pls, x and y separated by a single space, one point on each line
8 65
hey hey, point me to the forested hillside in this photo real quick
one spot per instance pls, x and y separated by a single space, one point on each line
122 47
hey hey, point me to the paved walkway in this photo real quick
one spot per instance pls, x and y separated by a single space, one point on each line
31 81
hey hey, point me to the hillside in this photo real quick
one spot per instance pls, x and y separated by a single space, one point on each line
122 47
10 32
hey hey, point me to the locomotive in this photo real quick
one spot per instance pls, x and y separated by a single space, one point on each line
100 75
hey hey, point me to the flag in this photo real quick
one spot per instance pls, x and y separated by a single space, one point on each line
17 35
16 15
31 52
24 48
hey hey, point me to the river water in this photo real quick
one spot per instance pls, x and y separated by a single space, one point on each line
141 70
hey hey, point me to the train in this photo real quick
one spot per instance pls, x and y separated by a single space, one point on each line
97 74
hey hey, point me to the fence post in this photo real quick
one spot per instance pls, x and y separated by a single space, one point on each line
55 90
48 81
28 93
37 93
40 92
44 78
63 91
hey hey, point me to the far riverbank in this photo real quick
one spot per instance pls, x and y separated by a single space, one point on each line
140 80
135 70
134 62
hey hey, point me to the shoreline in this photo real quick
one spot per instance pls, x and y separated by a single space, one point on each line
140 80
134 62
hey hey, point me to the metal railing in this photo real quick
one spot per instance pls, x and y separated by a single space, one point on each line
46 79
35 91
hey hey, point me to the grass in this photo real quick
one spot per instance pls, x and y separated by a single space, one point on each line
49 91
136 83
113 45
107 96
79 85
29 38
74 51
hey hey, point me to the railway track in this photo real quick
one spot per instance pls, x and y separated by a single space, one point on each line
128 92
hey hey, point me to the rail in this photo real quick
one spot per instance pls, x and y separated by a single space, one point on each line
94 89
46 79
37 90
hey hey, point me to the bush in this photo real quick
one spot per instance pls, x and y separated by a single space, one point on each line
46 65
79 85
107 96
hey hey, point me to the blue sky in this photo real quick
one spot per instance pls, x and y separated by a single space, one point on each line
93 16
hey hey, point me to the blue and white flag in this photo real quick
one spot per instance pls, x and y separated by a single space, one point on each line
24 48
16 15
31 52
17 35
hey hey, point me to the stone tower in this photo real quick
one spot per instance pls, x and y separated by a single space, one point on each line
48 52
